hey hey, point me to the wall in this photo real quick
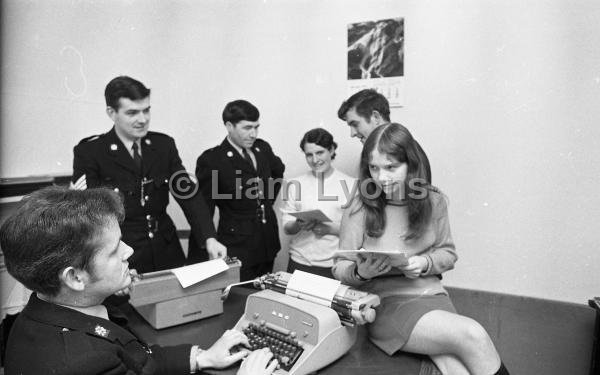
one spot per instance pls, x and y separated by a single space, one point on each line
503 95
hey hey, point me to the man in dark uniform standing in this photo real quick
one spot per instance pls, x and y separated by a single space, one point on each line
144 166
242 176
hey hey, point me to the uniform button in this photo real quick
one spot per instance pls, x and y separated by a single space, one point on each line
148 217
150 234
117 190
147 198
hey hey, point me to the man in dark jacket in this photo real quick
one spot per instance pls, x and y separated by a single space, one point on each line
242 176
144 166
65 245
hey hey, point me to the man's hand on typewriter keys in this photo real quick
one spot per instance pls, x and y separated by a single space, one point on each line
370 266
257 363
218 356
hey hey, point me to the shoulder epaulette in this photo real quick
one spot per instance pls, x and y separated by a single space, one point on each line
157 134
261 141
210 152
91 138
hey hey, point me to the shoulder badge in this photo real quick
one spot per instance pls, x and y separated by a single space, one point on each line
101 331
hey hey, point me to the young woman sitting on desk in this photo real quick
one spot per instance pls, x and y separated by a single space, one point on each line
396 208
314 242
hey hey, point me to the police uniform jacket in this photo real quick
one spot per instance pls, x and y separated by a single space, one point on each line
50 339
147 227
231 183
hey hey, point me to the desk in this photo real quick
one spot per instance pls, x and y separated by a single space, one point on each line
363 357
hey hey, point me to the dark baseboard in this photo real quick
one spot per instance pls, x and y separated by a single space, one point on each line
533 335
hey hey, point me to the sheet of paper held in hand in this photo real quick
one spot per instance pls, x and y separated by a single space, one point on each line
314 288
310 215
398 258
194 273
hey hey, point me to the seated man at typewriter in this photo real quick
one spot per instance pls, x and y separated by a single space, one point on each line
66 246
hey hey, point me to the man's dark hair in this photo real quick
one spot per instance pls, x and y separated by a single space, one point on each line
239 110
320 137
124 87
365 102
55 228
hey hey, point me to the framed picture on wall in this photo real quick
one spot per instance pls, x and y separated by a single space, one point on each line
376 58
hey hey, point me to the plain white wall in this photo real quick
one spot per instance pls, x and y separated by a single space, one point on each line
503 95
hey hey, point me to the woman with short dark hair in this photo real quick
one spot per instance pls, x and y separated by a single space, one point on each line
321 188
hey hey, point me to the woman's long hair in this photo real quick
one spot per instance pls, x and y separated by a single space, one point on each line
396 141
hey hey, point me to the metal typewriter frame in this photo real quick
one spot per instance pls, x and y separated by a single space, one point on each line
323 342
324 332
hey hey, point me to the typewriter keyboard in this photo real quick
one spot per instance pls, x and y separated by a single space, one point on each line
284 347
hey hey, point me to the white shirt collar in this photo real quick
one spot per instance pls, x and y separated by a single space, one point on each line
238 148
129 143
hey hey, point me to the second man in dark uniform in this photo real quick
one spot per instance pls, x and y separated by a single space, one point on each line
242 176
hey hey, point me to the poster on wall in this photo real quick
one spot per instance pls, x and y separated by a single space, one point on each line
376 58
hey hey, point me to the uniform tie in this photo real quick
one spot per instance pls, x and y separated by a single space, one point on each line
137 158
247 157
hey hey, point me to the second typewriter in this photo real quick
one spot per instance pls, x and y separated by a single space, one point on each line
307 321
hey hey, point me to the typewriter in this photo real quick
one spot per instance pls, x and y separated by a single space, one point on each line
304 332
163 302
